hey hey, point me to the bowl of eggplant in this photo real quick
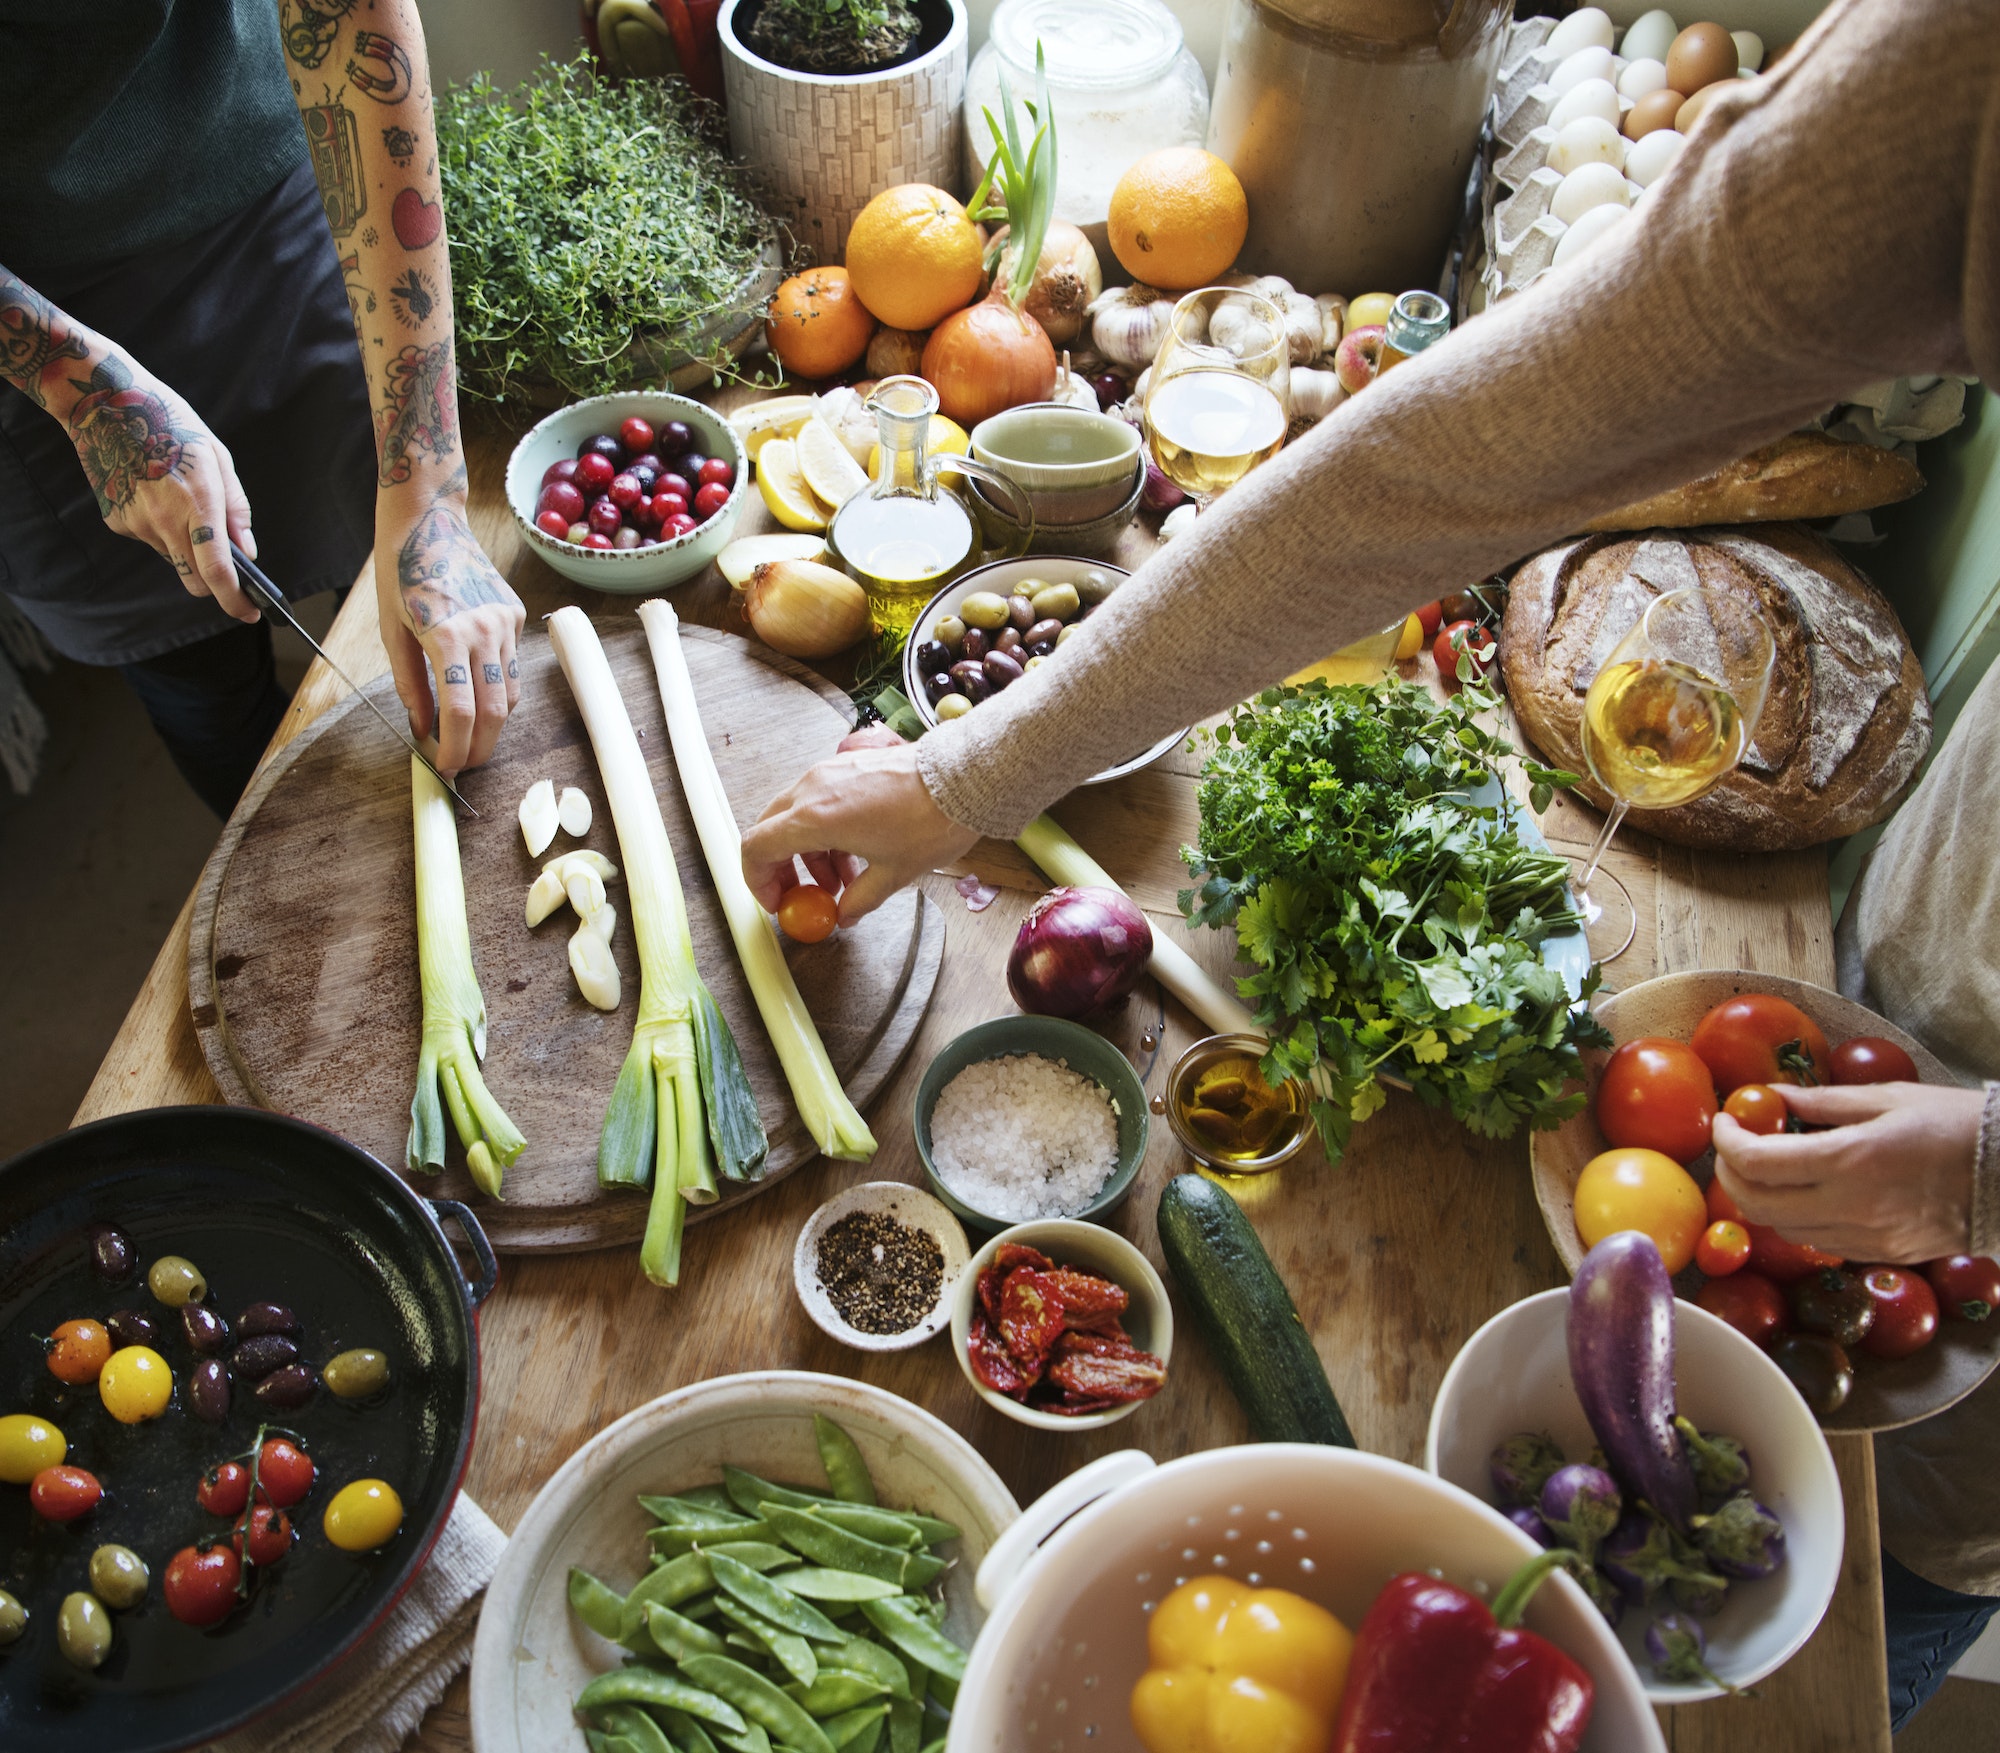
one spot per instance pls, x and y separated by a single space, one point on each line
1669 1452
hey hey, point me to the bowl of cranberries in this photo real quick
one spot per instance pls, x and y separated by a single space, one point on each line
631 492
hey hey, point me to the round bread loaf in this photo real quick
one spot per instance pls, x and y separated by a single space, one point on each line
1846 723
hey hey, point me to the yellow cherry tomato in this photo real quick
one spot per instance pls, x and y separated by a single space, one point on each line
1411 640
1642 1190
364 1515
27 1445
136 1384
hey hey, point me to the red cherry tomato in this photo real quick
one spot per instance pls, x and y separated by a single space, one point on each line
1749 1302
1657 1095
285 1472
270 1537
78 1350
1463 637
200 1585
1906 1311
636 436
1721 1208
1870 1059
807 913
1431 615
1967 1285
224 1490
1724 1248
1785 1262
1759 1108
61 1494
1760 1038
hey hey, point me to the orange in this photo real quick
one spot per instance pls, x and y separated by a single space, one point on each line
1178 217
914 256
816 325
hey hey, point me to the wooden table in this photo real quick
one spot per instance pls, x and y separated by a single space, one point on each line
1394 1257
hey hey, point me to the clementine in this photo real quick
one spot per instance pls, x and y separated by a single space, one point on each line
1177 218
816 325
914 255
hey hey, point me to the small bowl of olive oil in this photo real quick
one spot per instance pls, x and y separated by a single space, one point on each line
1226 1116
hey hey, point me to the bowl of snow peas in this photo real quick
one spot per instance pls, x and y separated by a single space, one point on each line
774 1559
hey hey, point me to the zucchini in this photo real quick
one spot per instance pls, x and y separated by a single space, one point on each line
1247 1316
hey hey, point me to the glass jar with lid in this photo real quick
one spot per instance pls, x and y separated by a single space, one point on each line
1122 83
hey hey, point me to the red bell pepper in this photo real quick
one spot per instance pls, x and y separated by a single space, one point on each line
1436 1671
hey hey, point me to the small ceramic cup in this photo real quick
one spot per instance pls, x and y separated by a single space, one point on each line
914 1209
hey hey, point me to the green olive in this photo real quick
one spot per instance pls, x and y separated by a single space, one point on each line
83 1630
1067 631
1033 662
984 609
1059 600
1094 586
176 1282
118 1576
950 707
949 629
13 1619
356 1374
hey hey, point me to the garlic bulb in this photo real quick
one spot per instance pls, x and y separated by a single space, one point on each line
1128 323
1140 385
1179 521
1073 391
896 353
1332 310
805 609
1238 328
1315 394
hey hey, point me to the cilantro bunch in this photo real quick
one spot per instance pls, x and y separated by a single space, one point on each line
1393 923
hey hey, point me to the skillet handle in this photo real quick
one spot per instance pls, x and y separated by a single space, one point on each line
458 1212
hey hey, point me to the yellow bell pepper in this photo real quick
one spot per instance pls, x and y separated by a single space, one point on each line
1240 1670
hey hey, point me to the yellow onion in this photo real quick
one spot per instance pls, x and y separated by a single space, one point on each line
805 609
1066 282
987 358
896 352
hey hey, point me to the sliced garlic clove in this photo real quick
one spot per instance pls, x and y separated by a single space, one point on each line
546 894
604 921
595 860
573 811
596 973
539 819
584 887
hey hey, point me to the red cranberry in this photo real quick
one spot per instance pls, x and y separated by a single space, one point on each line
718 472
599 542
674 438
648 514
677 525
671 498
624 491
690 467
649 460
602 444
594 472
563 497
605 516
562 470
710 500
553 523
1111 389
636 435
627 537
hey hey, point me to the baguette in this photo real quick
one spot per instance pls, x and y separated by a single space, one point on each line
1802 475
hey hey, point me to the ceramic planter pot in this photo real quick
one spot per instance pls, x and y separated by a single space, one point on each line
824 144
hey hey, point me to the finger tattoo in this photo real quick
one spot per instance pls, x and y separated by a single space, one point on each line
203 533
513 666
184 567
455 673
492 671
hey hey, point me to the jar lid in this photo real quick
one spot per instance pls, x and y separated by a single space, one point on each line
1096 45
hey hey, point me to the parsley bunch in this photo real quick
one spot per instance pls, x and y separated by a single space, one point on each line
1392 922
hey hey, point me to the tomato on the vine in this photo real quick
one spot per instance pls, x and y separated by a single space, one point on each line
62 1494
270 1536
1759 1108
1463 638
1870 1059
1724 1248
1656 1095
1761 1038
224 1489
1967 1285
285 1472
1906 1311
201 1583
1431 618
1749 1302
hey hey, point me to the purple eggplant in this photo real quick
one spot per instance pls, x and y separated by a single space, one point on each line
1742 1538
1721 1464
1605 1595
1521 1466
1530 1522
1679 1649
1621 1358
1643 1556
1581 1505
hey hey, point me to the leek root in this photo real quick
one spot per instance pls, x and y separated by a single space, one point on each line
454 1025
836 1127
683 1104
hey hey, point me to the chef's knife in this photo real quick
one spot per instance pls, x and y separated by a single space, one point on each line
268 596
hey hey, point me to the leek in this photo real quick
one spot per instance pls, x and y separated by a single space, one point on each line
454 1025
683 1103
829 1116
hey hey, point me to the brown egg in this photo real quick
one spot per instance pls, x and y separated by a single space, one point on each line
1656 110
1701 54
1692 111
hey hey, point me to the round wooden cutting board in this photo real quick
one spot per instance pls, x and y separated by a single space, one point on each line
302 965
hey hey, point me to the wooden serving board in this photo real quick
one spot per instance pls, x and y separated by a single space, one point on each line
302 960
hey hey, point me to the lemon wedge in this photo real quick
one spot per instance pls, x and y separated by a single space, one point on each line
780 417
830 471
784 488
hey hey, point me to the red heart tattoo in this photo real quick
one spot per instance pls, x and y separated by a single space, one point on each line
417 223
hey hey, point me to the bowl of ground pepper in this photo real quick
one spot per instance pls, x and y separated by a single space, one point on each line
875 1265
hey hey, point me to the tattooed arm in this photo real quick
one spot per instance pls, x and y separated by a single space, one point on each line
358 71
159 474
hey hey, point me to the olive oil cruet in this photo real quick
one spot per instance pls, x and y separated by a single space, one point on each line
907 536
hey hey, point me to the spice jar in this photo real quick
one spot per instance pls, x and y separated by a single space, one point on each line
1122 83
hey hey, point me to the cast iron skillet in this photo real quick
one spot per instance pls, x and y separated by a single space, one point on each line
271 1210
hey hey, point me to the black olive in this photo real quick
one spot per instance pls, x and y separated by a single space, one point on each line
1010 641
975 645
261 1318
1001 669
206 1330
1021 611
1041 648
287 1388
208 1391
134 1327
936 687
112 1255
933 656
971 680
259 1356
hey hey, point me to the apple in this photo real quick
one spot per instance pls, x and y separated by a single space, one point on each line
1370 307
1358 357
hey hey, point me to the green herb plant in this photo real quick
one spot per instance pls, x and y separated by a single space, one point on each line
1394 923
598 231
834 36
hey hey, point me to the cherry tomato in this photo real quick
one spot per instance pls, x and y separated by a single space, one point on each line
1967 1285
135 1384
1870 1059
363 1516
1760 1038
224 1490
1906 1311
200 1584
1460 605
1721 1208
1724 1248
1645 1191
61 1494
1749 1302
1786 1262
1432 617
1832 1302
1467 638
27 1445
807 913
1657 1095
1757 1107
78 1351
270 1536
285 1472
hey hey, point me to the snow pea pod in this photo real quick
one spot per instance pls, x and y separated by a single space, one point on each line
906 1725
675 1636
752 1739
668 1586
837 1690
748 1691
749 1493
912 1632
598 1606
838 1587
787 1648
630 1724
826 1544
846 1471
851 1726
772 1601
688 1734
676 1540
649 1686
674 1512
884 1527
859 1656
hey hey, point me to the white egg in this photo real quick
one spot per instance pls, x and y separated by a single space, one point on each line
1587 233
1588 186
1593 97
1584 64
1589 27
1749 50
1587 140
1642 79
1647 160
1651 36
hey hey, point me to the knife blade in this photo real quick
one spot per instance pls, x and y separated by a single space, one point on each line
268 596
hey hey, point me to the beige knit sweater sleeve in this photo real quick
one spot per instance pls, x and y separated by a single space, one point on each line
1828 226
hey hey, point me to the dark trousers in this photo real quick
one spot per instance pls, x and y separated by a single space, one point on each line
215 704
1929 1629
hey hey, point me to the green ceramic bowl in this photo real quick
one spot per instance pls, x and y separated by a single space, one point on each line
1083 1051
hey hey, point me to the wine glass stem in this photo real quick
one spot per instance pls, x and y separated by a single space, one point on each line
1619 810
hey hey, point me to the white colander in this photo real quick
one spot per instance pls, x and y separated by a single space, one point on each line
1070 1584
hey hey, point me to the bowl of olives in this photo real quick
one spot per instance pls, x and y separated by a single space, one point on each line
988 629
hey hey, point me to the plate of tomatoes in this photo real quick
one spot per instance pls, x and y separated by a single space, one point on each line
1869 1345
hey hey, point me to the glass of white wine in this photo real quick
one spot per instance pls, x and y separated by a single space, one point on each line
1220 396
1670 714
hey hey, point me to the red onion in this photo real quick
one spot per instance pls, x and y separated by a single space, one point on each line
1159 494
1078 951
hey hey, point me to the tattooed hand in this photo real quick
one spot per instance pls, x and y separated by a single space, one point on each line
440 599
